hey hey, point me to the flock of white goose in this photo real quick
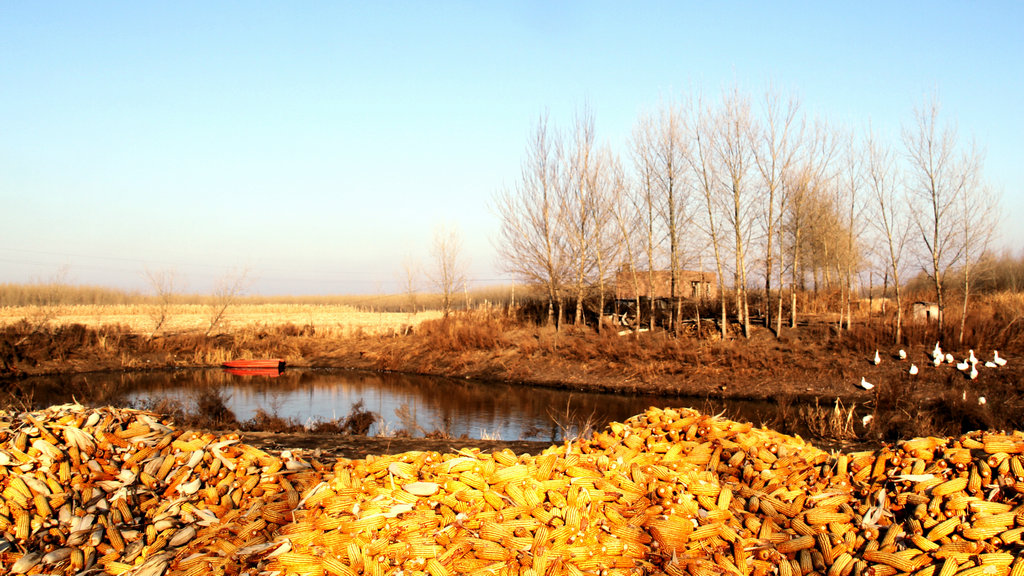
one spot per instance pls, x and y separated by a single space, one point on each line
969 365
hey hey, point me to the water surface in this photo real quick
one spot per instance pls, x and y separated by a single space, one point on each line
414 404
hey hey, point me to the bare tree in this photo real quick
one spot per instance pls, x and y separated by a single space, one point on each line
410 281
849 202
531 240
607 190
627 223
228 289
978 222
775 147
666 149
578 209
937 178
805 185
449 269
733 128
702 162
49 302
889 215
645 203
163 283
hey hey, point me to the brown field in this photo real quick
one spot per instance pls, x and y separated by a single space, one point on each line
330 319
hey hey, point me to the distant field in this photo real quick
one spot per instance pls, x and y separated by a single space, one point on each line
330 319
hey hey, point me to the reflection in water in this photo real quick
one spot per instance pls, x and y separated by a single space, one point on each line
417 404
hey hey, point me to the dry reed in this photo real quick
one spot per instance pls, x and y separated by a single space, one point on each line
138 318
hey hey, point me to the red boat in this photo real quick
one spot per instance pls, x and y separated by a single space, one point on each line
264 364
261 372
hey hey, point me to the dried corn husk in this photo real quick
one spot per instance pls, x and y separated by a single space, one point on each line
670 490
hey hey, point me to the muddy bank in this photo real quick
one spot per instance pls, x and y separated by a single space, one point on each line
358 447
355 447
796 366
806 365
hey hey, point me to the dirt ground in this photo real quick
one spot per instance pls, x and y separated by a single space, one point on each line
797 366
357 447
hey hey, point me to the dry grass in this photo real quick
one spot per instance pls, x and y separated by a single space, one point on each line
339 320
63 294
993 321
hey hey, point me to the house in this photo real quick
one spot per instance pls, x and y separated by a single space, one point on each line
657 284
924 311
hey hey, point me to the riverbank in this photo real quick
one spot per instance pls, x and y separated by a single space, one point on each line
810 365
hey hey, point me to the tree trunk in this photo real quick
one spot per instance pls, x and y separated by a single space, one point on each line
551 306
798 273
650 294
967 288
578 320
899 314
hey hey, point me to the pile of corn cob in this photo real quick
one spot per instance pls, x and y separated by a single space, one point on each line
120 491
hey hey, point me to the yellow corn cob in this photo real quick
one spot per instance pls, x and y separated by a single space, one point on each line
949 567
943 529
993 443
510 474
819 516
957 484
1004 520
923 543
117 568
842 562
959 550
23 527
980 571
796 544
900 563
989 507
1018 567
972 533
996 559
337 567
1011 536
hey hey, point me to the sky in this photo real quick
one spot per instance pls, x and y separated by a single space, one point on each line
318 146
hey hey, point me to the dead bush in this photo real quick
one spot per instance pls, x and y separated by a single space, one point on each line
465 331
836 423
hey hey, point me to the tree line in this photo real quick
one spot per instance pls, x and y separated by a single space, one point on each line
754 189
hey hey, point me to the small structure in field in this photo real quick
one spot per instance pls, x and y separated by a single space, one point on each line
655 287
924 312
872 305
657 284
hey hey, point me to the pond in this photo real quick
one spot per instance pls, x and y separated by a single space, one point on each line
414 404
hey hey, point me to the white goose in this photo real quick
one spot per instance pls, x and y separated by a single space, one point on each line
950 359
963 366
903 354
974 372
878 359
937 360
972 358
865 384
937 352
999 361
913 370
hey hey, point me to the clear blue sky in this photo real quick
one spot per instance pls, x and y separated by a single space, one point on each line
319 144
